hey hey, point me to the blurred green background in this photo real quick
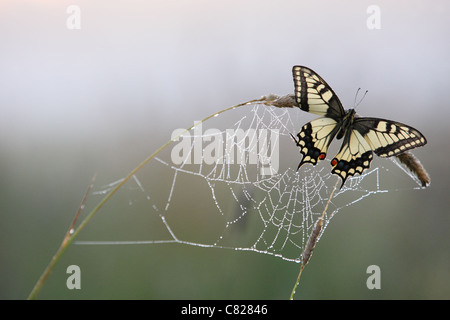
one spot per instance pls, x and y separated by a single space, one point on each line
102 98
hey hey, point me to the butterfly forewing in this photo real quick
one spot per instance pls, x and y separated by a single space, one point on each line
389 138
314 95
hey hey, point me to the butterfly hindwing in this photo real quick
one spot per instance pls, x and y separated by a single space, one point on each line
314 139
354 156
314 95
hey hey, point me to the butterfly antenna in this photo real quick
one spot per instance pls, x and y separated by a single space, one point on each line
359 102
356 96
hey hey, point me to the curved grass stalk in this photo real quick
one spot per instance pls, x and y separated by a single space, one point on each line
72 233
313 238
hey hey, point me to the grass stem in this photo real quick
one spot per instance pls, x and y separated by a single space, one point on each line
313 238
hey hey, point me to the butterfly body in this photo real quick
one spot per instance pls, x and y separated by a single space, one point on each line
347 121
361 136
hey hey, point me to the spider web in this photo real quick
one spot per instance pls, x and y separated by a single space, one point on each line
231 182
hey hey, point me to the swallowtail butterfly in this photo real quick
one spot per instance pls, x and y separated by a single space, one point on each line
361 136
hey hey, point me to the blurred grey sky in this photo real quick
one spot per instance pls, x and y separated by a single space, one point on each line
102 98
154 60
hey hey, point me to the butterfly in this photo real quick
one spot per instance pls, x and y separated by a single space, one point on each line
361 136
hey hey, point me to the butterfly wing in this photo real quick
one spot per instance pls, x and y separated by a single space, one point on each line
354 156
314 95
314 139
389 138
384 137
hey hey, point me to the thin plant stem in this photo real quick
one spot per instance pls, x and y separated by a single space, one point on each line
62 247
307 252
73 233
